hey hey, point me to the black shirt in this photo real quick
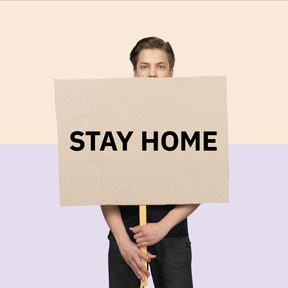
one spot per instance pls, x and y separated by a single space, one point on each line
155 213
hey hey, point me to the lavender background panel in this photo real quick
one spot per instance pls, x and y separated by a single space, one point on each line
240 244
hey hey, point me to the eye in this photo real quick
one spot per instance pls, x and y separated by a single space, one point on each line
161 67
144 67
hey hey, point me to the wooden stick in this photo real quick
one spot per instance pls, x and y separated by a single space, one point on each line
143 221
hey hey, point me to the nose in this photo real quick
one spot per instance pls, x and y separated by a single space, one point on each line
152 72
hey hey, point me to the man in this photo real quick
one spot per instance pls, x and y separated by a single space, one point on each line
166 232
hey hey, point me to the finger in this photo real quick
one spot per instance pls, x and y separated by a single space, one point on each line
138 235
140 270
138 273
135 229
135 269
143 269
143 235
141 242
152 256
144 243
135 272
144 256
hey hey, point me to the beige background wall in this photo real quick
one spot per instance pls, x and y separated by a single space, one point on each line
245 41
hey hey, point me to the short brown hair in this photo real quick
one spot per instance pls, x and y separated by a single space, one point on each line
152 43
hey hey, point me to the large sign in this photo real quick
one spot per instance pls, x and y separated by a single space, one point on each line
142 141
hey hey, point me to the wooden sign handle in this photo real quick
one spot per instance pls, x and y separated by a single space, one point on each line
143 221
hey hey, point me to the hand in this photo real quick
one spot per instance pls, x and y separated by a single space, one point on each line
149 234
132 255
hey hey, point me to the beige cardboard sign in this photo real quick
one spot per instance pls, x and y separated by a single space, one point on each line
141 141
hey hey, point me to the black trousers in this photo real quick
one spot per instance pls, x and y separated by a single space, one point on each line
170 269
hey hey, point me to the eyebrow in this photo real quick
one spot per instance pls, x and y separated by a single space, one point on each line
156 63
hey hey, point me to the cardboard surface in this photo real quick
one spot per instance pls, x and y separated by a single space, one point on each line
135 176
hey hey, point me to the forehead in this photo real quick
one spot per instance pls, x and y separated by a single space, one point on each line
152 56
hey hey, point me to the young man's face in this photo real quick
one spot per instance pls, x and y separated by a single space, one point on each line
153 63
